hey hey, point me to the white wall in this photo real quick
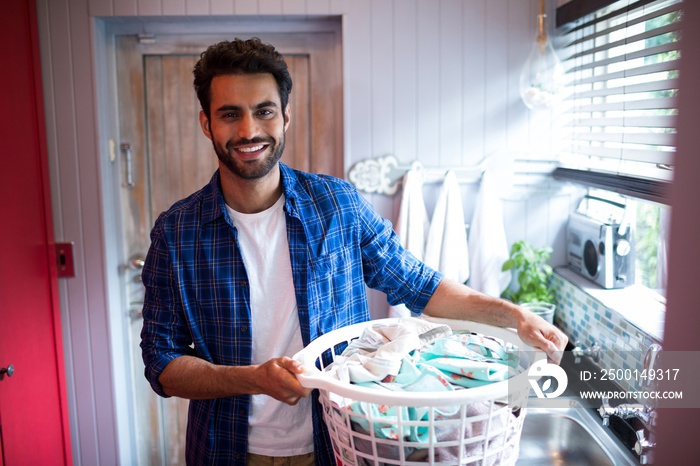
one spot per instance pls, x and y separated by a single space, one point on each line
428 80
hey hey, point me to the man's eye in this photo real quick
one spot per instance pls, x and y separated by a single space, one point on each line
230 115
265 112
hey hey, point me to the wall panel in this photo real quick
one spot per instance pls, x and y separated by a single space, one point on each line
427 78
450 83
100 8
381 74
520 24
474 79
89 288
175 7
318 7
245 7
496 76
270 7
404 81
124 7
294 7
358 84
150 7
221 7
196 7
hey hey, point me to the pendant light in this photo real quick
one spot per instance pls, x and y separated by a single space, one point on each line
541 80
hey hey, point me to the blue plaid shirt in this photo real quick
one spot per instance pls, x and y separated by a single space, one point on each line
197 293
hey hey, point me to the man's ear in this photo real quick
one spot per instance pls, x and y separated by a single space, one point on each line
204 123
287 116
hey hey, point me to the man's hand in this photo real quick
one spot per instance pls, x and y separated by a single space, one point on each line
536 332
277 379
196 379
453 300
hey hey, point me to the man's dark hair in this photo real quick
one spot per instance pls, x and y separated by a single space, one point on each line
239 57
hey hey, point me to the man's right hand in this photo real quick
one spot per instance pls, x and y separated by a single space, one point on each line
194 378
277 379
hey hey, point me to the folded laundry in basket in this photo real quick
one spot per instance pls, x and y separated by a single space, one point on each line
470 360
404 356
467 346
381 349
470 374
418 356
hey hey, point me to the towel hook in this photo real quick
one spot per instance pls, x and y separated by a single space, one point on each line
382 175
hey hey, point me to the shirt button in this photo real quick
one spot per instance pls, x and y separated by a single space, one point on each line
244 283
244 329
241 412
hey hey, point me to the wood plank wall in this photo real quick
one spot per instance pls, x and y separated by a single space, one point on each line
428 80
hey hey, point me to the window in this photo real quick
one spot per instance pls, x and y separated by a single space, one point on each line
621 59
650 247
622 64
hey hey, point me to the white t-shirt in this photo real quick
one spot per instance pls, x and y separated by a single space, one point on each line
276 429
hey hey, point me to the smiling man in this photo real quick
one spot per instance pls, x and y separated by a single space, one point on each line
255 265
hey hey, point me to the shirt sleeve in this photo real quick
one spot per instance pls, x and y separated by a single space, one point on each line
390 268
164 335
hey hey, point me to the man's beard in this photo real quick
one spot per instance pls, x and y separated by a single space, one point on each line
254 169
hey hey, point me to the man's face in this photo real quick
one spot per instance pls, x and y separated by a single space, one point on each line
247 124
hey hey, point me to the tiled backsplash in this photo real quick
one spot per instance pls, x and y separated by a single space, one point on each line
586 320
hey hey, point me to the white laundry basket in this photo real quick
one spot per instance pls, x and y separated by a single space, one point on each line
483 426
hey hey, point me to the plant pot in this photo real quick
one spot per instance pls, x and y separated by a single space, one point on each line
544 310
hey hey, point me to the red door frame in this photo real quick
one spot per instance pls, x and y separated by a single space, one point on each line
34 419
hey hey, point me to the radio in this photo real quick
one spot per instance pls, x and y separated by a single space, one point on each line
599 242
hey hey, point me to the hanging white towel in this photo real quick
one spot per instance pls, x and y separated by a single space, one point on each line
446 248
412 224
488 247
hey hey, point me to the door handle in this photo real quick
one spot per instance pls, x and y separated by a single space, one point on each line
136 262
9 370
126 149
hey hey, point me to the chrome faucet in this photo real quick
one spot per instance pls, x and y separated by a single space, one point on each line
643 447
592 352
644 413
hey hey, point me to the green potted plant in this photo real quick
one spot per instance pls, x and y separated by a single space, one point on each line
533 276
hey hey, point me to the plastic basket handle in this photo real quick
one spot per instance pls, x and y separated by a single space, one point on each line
315 379
311 377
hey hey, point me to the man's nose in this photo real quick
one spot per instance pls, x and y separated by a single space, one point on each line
248 127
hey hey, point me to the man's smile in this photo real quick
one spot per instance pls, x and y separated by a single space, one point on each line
250 151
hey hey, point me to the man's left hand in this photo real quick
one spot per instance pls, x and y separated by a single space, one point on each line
536 332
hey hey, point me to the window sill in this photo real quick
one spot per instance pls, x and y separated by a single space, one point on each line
637 304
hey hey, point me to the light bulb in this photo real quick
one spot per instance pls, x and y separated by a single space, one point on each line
541 80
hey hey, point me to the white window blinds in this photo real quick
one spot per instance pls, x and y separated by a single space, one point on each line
622 65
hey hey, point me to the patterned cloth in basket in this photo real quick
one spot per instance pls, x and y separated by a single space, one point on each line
415 355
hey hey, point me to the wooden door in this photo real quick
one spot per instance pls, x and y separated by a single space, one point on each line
34 426
171 158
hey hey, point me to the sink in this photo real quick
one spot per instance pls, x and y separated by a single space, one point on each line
570 436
